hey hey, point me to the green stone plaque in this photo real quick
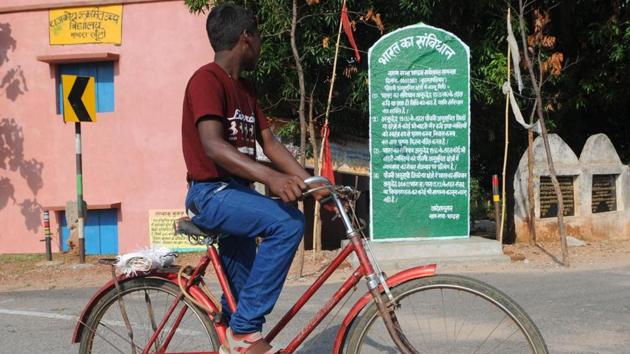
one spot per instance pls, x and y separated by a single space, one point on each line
419 135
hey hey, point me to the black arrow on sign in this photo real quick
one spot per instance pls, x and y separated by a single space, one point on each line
75 98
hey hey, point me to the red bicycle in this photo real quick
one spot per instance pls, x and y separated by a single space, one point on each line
171 310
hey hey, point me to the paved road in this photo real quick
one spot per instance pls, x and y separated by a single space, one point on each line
577 312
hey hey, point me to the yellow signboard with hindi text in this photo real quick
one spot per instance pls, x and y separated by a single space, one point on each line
81 25
161 231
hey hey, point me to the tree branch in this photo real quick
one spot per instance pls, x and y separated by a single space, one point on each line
543 128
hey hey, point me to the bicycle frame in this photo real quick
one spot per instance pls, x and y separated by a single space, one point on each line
376 285
213 257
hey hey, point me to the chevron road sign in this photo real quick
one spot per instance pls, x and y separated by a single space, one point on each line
79 105
79 98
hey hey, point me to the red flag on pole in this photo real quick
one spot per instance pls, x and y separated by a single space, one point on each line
345 22
327 167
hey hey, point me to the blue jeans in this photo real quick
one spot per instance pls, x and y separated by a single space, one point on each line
256 279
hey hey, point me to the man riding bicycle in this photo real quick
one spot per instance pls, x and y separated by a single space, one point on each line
221 124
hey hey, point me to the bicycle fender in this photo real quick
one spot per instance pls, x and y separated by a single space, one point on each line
87 310
396 279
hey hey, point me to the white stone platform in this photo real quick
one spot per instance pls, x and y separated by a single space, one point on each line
394 256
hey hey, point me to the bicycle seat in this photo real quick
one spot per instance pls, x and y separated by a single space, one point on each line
184 226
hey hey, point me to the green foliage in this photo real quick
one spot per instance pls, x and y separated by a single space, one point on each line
197 6
593 92
480 202
494 74
276 75
289 132
590 96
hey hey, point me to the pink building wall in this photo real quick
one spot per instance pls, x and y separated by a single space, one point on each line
131 156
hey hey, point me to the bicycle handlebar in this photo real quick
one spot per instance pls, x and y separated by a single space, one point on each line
336 189
317 180
334 196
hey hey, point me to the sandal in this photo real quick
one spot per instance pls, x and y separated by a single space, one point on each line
252 343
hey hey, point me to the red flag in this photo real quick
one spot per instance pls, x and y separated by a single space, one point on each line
327 167
345 22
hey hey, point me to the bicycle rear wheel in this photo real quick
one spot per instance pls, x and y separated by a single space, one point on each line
450 314
146 302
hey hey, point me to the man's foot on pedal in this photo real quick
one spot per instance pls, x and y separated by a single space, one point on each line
249 343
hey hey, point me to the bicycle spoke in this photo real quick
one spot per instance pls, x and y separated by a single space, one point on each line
403 338
489 334
127 324
456 333
464 322
453 315
444 314
504 341
147 300
105 339
415 315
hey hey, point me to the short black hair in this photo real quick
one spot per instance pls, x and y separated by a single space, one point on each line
225 24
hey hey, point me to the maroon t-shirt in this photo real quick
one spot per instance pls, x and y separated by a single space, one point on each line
211 92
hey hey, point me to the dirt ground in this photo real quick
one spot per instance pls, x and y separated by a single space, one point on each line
547 256
31 271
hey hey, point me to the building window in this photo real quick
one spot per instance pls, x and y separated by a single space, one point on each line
100 232
103 73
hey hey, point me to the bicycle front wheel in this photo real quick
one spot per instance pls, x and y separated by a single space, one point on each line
450 314
146 302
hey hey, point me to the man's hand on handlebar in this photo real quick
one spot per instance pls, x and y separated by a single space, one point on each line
291 188
321 188
288 188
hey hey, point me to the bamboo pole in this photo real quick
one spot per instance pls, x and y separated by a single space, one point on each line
507 139
316 217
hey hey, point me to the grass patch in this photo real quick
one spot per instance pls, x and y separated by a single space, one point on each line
21 258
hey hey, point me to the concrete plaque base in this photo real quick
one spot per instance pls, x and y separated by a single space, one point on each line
394 256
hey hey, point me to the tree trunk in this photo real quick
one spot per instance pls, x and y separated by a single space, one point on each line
317 223
543 128
300 74
302 160
531 218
